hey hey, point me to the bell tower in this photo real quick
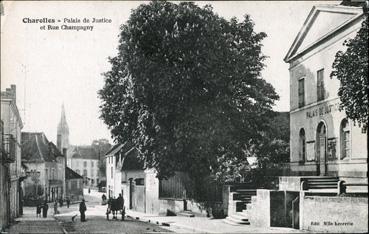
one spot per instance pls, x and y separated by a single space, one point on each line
63 132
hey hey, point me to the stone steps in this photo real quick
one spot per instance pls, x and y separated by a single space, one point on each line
237 219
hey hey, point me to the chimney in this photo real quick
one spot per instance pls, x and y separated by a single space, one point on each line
14 91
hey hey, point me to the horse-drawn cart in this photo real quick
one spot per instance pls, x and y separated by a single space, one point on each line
115 207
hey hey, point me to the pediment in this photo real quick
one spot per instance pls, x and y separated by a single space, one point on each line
321 22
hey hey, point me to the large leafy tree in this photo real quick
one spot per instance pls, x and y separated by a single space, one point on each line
351 69
186 88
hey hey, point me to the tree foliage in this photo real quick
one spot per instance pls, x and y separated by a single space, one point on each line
186 88
351 69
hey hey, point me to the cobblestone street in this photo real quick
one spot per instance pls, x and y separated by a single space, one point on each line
96 221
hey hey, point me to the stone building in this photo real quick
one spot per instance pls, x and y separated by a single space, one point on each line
46 169
74 185
323 140
141 189
5 159
12 141
85 161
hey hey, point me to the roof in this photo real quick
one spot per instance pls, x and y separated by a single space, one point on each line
36 148
127 156
131 160
85 152
113 150
323 22
70 174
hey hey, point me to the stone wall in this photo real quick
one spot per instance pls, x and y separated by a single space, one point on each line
152 192
172 205
260 213
334 214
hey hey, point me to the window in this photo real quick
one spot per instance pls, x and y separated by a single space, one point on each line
70 185
52 173
111 169
302 146
139 181
92 163
320 85
47 173
85 163
301 92
84 172
345 139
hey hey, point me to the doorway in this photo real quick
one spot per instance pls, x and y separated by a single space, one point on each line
321 149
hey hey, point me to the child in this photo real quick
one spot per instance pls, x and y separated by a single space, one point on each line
38 210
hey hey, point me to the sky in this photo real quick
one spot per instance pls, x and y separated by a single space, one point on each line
55 67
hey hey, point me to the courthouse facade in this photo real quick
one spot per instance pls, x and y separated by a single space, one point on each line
323 140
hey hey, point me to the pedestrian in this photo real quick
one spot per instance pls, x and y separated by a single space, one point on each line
55 207
82 210
61 202
45 207
68 202
38 210
120 202
89 190
103 198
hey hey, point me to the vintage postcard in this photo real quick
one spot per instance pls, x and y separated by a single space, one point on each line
188 117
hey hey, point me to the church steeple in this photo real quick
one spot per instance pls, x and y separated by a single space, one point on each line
63 132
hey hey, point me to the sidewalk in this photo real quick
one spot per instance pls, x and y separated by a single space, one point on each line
29 223
205 225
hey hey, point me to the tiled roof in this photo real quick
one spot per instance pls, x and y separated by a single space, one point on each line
113 150
70 174
36 148
85 152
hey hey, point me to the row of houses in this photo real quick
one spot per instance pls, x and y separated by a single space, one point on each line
326 178
33 169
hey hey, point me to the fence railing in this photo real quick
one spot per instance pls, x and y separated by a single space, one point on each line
174 187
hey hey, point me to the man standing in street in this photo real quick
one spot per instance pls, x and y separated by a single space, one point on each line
45 207
55 207
82 210
68 202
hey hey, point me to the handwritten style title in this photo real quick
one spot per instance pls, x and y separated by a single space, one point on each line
75 24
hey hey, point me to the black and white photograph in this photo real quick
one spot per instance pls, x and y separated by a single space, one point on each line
184 117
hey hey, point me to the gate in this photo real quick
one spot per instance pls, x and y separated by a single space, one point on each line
295 213
138 197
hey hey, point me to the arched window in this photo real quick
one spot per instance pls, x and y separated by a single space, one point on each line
345 139
302 145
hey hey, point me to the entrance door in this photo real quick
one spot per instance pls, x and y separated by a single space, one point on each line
322 149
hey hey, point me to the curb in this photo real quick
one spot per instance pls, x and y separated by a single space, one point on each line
166 224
